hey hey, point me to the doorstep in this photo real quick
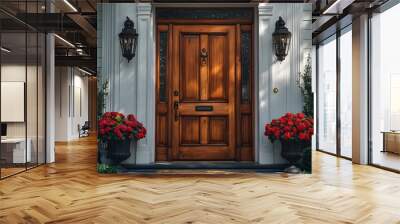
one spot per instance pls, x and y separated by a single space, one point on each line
204 166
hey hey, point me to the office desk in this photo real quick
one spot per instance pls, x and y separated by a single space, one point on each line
13 150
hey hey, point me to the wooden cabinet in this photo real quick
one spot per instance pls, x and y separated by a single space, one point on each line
391 142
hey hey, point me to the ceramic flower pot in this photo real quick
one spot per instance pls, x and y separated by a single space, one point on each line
119 151
292 151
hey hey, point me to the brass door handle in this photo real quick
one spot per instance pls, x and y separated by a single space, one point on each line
176 110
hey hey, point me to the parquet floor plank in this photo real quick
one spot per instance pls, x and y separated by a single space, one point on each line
71 191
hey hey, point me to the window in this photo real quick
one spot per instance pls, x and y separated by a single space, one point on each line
327 95
385 89
245 44
334 94
346 92
163 48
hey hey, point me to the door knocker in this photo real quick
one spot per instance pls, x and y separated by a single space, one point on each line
203 56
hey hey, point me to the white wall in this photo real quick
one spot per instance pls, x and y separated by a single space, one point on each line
33 126
69 82
132 85
281 75
12 73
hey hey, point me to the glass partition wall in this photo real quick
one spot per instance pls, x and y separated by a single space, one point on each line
385 89
22 77
327 95
345 92
334 94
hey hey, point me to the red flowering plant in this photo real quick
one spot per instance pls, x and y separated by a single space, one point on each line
116 126
290 127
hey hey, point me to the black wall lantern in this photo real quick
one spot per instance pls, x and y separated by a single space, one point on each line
281 39
128 39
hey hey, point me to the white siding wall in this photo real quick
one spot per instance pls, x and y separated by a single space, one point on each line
281 75
132 85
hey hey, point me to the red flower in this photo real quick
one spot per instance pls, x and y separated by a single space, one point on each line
288 114
302 136
301 126
287 135
293 127
139 135
115 126
131 117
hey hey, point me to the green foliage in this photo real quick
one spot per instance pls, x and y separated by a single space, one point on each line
105 168
101 102
305 85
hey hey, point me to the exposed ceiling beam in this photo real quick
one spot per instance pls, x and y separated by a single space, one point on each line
83 61
337 7
320 22
84 24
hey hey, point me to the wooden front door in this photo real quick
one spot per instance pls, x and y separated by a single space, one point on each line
203 95
203 87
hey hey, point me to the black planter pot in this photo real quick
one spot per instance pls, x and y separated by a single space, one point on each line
119 151
292 151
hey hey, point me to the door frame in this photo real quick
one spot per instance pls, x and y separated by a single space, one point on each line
247 153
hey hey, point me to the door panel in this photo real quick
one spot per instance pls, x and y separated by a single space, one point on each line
190 83
190 130
203 83
217 133
218 67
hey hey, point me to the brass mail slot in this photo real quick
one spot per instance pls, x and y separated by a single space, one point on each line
204 108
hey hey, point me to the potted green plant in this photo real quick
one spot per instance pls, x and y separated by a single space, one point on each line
294 132
117 131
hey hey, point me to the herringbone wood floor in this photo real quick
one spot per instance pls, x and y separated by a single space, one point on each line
70 191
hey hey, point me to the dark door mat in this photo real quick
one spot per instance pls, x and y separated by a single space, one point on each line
201 167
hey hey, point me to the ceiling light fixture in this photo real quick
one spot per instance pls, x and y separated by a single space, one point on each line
70 5
5 50
64 40
84 71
